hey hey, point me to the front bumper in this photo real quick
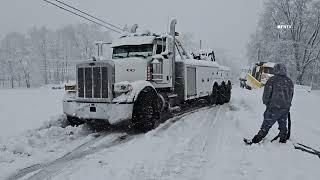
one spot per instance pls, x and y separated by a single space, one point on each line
109 112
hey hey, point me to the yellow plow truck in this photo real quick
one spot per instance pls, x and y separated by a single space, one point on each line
257 75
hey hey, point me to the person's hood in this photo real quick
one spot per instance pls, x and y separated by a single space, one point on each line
280 69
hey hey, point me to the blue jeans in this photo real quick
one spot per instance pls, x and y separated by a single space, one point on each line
273 115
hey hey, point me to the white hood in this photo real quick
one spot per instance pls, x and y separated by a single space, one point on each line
130 69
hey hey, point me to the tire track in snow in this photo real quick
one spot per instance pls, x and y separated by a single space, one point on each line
78 153
196 155
49 170
56 167
179 116
23 172
210 128
59 165
215 143
185 160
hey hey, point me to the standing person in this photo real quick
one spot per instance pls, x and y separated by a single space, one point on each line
277 96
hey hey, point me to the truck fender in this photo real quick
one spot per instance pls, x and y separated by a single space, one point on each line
135 88
140 87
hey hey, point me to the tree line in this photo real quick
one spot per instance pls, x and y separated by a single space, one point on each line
42 56
288 32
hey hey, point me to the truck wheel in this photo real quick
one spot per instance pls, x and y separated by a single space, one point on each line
213 98
146 110
73 121
224 93
228 92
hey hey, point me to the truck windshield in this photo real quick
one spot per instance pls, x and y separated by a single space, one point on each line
143 51
268 70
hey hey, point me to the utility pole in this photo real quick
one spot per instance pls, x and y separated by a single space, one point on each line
259 54
200 44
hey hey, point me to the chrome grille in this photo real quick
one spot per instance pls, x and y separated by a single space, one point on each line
104 80
93 82
81 82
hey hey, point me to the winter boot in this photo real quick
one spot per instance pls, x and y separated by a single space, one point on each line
257 138
283 139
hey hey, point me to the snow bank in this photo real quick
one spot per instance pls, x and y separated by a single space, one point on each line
32 128
23 109
302 88
47 143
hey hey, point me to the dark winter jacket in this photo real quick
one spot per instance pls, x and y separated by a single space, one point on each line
278 91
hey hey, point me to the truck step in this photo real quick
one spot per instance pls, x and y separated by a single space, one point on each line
175 109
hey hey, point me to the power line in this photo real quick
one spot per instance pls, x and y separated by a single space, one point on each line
82 16
74 8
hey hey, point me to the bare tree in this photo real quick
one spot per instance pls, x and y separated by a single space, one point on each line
40 43
297 46
14 48
25 67
45 56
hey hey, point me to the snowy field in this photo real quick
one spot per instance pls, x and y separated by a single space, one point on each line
25 109
206 144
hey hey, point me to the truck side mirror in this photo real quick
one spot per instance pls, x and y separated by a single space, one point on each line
166 54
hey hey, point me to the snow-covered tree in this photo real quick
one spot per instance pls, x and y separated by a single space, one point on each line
298 46
40 45
14 49
44 56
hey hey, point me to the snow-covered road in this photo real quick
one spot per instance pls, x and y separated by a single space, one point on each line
206 144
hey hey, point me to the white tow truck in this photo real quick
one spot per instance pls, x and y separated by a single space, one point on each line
148 75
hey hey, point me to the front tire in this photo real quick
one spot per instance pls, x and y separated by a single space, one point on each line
146 110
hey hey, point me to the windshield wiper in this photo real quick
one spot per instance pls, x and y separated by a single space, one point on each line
139 55
118 56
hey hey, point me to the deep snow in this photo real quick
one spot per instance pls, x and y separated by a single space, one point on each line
204 145
24 109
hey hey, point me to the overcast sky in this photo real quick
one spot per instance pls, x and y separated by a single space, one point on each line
223 24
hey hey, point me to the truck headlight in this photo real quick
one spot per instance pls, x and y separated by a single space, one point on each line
122 88
70 87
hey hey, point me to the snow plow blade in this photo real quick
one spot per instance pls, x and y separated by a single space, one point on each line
253 82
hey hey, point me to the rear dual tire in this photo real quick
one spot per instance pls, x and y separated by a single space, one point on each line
213 98
220 94
228 91
73 121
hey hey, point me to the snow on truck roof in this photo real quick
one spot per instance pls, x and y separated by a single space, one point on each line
225 68
133 40
138 39
269 64
201 51
199 62
195 62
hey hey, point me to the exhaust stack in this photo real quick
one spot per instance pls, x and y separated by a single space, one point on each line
173 34
134 28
